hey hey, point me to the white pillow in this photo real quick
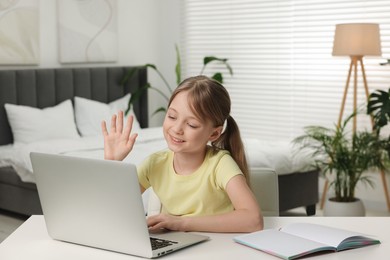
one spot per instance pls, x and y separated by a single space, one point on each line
91 113
29 124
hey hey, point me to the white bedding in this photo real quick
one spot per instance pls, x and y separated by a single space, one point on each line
277 155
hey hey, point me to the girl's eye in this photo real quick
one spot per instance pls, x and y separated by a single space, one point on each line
192 125
171 117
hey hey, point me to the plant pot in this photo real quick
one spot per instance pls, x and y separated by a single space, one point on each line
341 209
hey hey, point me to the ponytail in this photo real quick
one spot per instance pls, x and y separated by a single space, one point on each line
230 140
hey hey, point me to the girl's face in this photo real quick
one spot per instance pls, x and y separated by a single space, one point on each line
183 131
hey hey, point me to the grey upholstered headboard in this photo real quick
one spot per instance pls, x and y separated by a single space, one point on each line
47 87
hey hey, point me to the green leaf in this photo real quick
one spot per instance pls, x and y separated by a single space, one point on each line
218 77
379 107
229 68
178 66
208 59
150 66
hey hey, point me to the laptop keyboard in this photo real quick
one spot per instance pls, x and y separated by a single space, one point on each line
160 243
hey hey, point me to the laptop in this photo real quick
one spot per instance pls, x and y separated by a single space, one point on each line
98 203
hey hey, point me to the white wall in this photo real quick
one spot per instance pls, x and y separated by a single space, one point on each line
147 33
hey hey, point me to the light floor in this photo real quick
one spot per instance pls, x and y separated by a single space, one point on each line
10 222
301 212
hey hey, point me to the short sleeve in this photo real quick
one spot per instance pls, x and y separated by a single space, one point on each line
150 171
226 169
143 170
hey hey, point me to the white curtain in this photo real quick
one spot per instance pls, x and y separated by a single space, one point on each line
285 77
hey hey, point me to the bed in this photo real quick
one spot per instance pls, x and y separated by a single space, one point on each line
92 92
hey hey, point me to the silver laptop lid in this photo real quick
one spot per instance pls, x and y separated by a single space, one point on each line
92 202
98 203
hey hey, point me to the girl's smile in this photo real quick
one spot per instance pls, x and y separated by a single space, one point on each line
176 140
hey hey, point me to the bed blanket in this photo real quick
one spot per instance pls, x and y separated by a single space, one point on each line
276 155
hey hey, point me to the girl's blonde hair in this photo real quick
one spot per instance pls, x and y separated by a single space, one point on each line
210 100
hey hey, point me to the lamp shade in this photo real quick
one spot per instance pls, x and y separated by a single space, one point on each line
357 39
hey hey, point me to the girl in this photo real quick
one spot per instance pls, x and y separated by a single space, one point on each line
202 180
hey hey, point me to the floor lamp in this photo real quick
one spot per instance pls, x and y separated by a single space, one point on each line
356 40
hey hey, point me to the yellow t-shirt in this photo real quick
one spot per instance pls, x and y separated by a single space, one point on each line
199 194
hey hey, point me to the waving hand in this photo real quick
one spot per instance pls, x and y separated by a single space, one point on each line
119 141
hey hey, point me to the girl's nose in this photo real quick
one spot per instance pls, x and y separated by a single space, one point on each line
178 127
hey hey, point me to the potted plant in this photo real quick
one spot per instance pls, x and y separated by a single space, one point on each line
218 76
345 157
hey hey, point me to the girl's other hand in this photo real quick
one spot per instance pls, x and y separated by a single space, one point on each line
119 142
162 221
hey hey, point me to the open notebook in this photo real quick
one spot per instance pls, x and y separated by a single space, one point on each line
302 239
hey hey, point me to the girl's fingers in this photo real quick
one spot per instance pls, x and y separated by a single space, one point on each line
119 124
152 221
113 124
117 127
129 126
131 140
104 128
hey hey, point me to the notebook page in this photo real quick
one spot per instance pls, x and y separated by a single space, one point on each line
322 234
281 244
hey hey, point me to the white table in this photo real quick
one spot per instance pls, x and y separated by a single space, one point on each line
31 241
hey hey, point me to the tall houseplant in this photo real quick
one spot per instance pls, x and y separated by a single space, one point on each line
218 76
345 156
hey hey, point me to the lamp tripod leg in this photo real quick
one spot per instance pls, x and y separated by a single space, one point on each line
384 182
345 93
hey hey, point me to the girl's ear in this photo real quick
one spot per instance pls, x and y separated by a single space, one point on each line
216 133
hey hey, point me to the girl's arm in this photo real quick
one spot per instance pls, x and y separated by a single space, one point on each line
246 217
119 142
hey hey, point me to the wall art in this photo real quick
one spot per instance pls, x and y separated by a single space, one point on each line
87 31
19 32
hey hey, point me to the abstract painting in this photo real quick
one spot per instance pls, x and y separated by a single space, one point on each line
87 31
19 32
